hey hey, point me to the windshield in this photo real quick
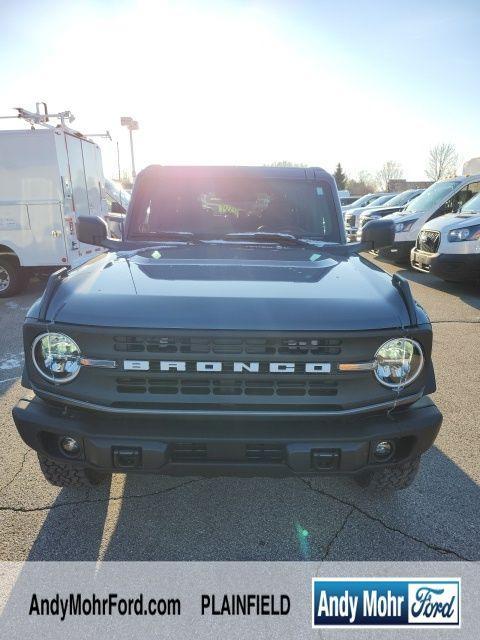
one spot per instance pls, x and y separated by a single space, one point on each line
402 198
117 193
472 206
432 196
378 201
211 206
361 202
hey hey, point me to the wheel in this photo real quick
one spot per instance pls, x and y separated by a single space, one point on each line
394 478
12 279
62 474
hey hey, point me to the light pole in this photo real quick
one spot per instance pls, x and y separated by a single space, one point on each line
132 125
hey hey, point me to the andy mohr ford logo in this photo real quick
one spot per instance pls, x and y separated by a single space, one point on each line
392 602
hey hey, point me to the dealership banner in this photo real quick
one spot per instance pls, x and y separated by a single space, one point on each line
239 600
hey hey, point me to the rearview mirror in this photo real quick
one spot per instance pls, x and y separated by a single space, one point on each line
91 230
378 233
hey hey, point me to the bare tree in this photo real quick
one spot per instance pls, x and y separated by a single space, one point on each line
365 183
369 180
390 171
442 161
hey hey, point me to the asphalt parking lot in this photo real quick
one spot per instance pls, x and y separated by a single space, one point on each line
155 518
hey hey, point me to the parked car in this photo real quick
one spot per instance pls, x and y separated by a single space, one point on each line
347 200
48 177
449 246
398 203
211 341
352 215
363 201
445 196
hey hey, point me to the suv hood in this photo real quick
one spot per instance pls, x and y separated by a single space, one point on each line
452 221
383 211
312 293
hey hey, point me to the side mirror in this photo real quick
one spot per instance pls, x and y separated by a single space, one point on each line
91 230
116 207
378 233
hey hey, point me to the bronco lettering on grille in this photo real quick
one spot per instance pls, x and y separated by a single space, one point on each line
238 367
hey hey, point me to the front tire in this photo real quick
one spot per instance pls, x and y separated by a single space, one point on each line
394 478
63 474
12 278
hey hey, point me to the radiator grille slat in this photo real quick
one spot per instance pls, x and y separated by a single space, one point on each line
199 346
224 387
428 241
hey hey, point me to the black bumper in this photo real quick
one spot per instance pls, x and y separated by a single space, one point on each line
455 267
206 445
399 252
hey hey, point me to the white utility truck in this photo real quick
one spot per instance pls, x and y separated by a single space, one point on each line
49 175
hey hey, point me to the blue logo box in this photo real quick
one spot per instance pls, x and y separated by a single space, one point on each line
385 602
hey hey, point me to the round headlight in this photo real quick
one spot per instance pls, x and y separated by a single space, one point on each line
56 357
398 362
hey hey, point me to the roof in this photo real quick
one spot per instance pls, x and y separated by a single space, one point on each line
291 173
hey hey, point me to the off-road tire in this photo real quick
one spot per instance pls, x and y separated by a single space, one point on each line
392 478
62 474
16 277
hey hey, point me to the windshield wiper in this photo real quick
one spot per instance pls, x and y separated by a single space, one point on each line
290 240
287 239
154 241
165 235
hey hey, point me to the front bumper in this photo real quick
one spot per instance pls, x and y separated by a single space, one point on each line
208 445
399 252
448 266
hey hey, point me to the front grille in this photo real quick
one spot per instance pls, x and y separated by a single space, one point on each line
226 345
428 241
363 221
350 220
225 386
255 386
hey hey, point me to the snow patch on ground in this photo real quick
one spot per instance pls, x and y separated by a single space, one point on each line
11 362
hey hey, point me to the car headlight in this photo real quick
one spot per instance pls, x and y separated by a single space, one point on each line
465 233
398 362
56 357
404 226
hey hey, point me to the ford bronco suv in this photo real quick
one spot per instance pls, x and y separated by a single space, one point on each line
231 331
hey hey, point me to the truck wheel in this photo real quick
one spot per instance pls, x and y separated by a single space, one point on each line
12 279
391 478
62 474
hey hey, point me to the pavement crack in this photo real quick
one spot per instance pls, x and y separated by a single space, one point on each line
430 545
49 507
337 533
17 473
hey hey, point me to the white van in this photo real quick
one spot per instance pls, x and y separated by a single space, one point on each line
47 177
445 196
449 246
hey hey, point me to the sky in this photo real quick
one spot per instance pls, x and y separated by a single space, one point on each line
254 81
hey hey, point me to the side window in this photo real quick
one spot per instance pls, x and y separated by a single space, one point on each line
456 202
467 193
